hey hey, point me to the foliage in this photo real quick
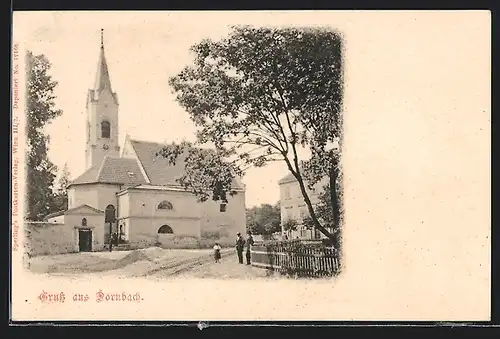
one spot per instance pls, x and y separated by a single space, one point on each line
206 172
60 200
261 95
40 111
264 219
325 213
290 225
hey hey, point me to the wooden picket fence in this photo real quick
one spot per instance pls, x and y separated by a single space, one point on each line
296 257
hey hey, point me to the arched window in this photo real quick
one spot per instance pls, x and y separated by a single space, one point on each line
165 205
105 129
165 229
84 222
110 214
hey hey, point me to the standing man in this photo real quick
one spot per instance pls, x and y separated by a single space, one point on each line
249 245
240 243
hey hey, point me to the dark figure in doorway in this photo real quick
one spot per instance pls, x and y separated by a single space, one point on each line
240 244
249 243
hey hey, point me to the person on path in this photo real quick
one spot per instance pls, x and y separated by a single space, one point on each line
217 255
240 243
249 243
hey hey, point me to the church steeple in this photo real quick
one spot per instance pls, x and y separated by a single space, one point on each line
102 79
102 116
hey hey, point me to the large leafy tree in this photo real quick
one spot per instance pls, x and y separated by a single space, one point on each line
40 111
264 219
262 95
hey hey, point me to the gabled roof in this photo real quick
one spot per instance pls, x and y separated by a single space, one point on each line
83 206
158 169
52 215
68 211
290 178
113 170
287 178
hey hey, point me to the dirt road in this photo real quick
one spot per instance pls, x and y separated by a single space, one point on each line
227 268
138 263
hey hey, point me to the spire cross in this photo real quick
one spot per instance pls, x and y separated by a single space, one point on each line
102 37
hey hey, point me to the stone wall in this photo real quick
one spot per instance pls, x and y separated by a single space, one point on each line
43 238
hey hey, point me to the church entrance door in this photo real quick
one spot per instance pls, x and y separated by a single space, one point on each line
85 240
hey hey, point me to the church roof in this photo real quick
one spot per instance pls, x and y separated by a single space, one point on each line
102 79
113 170
158 169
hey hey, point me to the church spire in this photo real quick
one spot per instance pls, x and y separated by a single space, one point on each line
102 79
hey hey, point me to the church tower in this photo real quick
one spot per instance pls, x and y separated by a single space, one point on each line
102 116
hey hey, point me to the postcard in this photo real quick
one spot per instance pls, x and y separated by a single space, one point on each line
259 166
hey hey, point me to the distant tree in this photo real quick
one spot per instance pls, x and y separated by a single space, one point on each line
289 226
60 202
259 96
264 219
40 111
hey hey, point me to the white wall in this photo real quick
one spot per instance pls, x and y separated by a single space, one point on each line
233 219
103 109
56 220
124 205
106 196
82 194
292 201
95 222
144 230
96 195
144 203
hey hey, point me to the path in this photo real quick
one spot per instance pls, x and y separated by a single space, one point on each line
138 263
228 268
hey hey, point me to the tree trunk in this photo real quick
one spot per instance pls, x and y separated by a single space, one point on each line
310 208
296 173
333 174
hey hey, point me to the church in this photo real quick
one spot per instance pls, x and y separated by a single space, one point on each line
150 206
